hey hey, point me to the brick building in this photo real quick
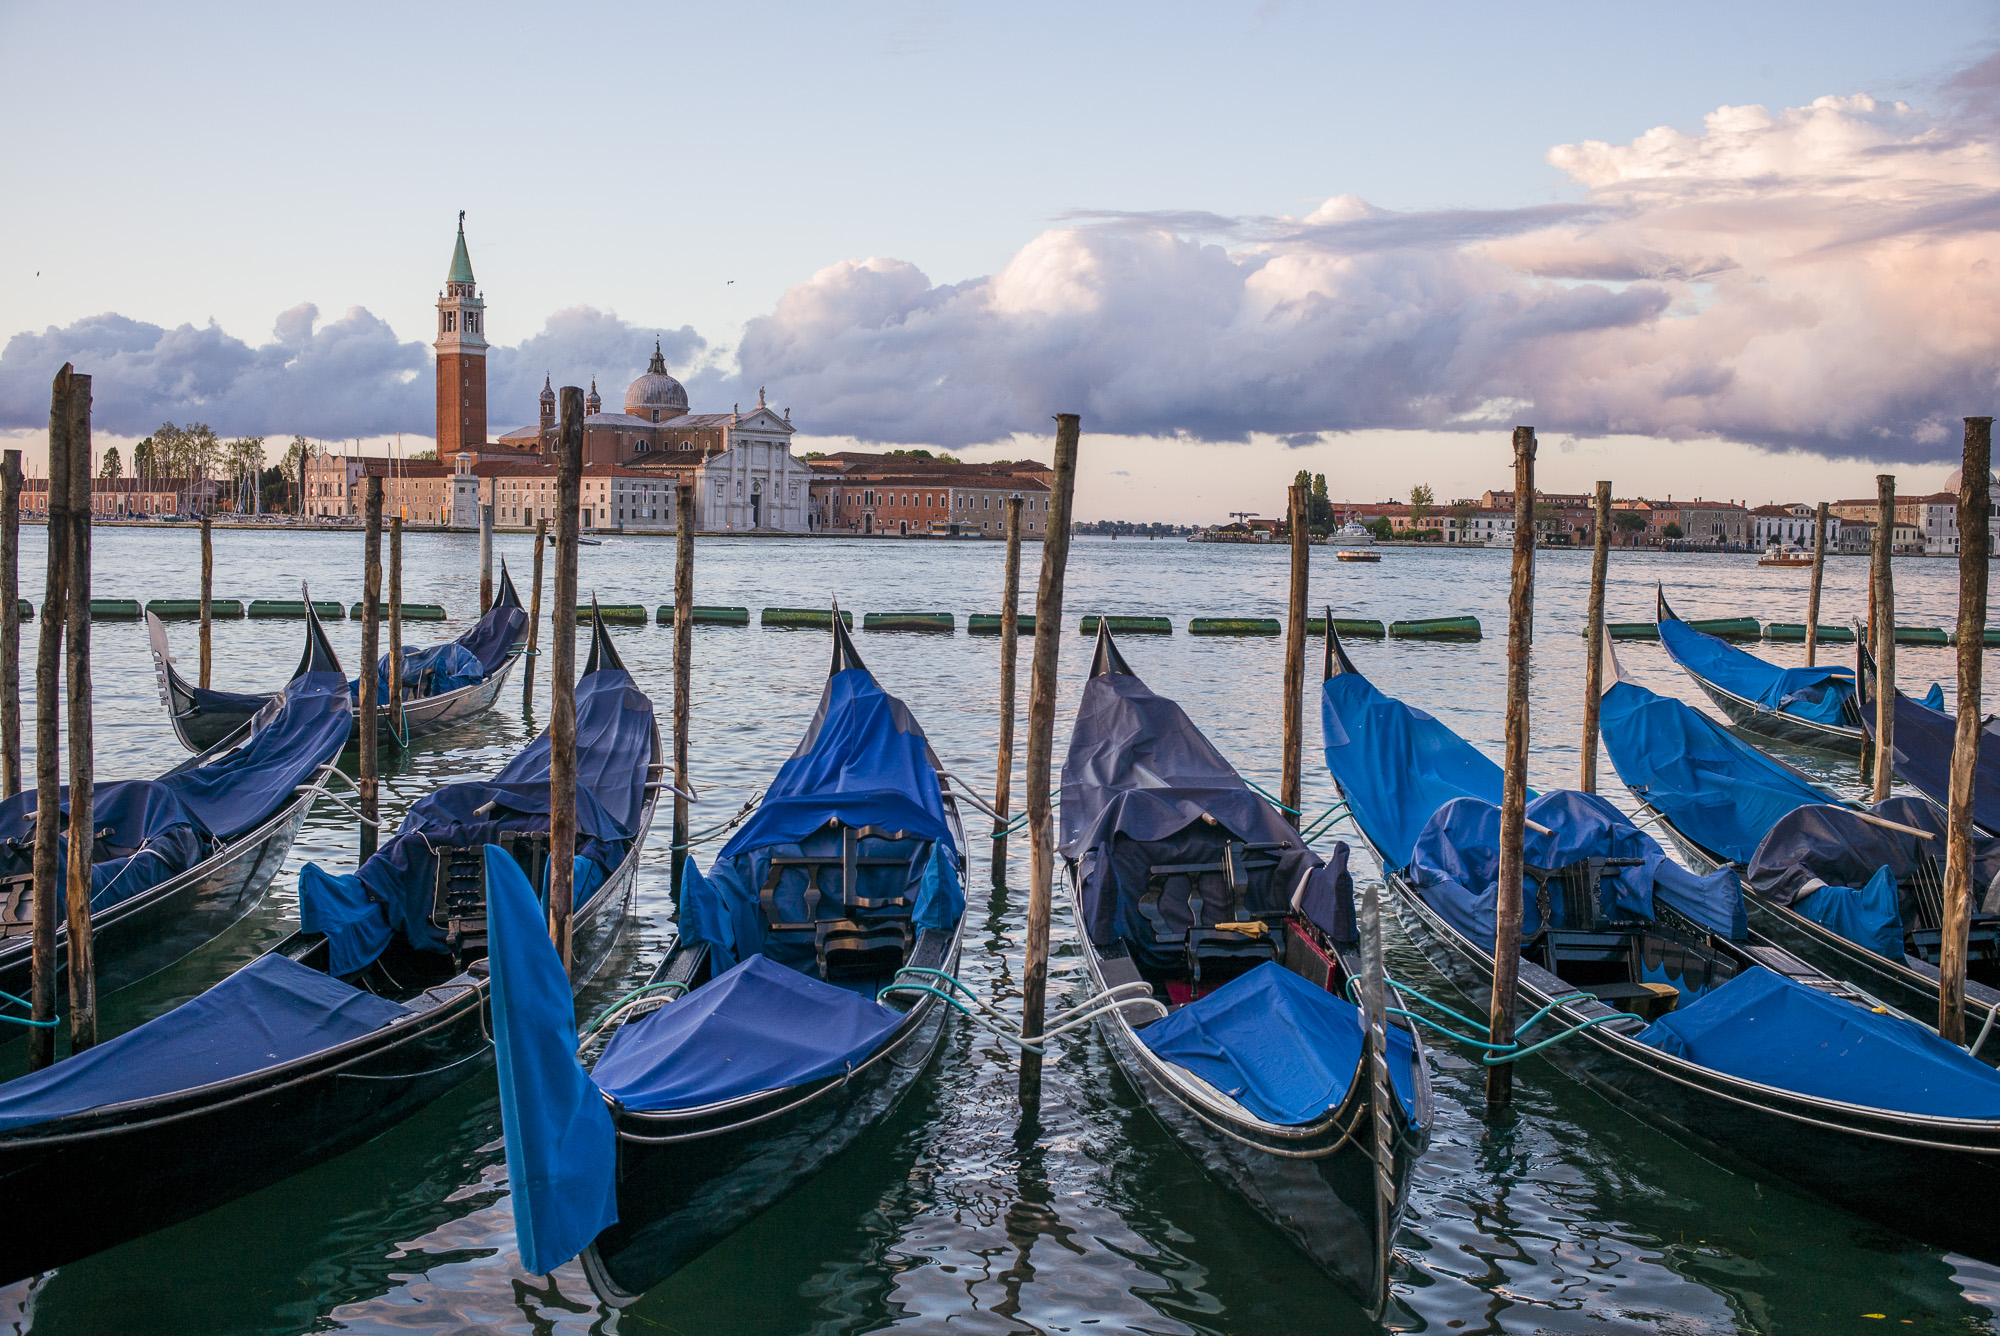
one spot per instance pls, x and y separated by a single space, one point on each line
131 498
861 493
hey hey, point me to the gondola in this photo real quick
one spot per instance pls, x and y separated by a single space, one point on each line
1812 707
374 1008
1737 1049
176 860
1727 805
773 1034
1924 738
442 686
1242 943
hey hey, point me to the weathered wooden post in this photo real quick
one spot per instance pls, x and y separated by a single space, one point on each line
397 728
207 598
48 737
82 818
1514 789
10 624
371 650
1295 655
1818 577
1041 744
1010 642
1593 670
562 676
1974 547
1883 586
683 670
534 622
481 491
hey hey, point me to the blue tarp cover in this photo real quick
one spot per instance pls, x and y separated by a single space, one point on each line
760 1026
562 1150
1456 867
360 911
427 672
1720 792
864 762
1819 694
1396 764
1868 917
238 791
1277 1045
1923 743
1141 787
271 1011
493 638
1762 1027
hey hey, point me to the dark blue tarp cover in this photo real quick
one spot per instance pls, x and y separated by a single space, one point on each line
151 830
1868 916
1763 1027
271 1011
1923 743
864 762
1819 694
1277 1045
1396 765
562 1150
760 1026
427 672
1719 791
360 911
1137 784
209 701
493 638
1456 868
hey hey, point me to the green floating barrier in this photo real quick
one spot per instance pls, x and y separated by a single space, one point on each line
1234 626
292 607
1917 635
189 609
1797 631
703 616
989 623
114 609
618 614
1349 629
27 610
412 612
1627 630
1145 626
909 621
1436 628
1729 628
807 617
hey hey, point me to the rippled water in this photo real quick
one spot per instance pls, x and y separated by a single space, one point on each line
1565 1215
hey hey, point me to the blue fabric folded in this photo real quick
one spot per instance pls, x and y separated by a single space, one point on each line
1763 1027
1282 1048
1869 917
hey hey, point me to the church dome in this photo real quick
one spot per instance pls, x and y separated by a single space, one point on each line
656 390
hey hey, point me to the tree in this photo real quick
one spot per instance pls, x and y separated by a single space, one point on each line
1421 498
142 458
1671 530
1322 508
1628 521
423 457
113 466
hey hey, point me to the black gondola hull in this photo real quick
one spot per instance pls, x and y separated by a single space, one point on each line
1753 718
199 730
1934 1179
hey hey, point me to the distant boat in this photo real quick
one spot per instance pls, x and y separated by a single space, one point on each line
581 540
1785 556
1357 556
1352 534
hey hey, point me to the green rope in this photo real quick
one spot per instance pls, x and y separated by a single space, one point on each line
1495 1054
640 991
1322 823
23 1020
1273 801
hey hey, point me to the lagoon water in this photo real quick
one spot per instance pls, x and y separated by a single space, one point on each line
1563 1216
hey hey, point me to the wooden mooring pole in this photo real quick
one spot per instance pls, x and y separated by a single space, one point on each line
1041 744
371 651
1514 787
48 736
1883 623
10 624
1010 644
481 492
1295 654
82 824
534 622
1975 543
562 676
683 670
1818 578
1593 655
397 727
207 599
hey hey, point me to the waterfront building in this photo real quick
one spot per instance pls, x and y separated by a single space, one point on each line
907 496
132 498
1791 524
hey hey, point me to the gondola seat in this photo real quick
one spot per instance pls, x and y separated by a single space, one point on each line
841 906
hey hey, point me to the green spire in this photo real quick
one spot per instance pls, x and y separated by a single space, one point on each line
461 263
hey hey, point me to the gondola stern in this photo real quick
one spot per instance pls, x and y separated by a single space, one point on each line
508 596
1662 610
603 654
1337 662
1106 659
318 656
845 656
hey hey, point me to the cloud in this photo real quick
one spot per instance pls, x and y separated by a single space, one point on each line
350 377
1823 278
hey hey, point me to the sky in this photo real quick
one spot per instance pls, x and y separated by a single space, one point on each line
1727 250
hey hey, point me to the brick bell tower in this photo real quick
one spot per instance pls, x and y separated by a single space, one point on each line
461 358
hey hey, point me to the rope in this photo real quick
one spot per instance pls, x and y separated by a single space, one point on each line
23 1020
714 831
1495 1054
1273 801
1098 1004
1322 823
617 1009
331 773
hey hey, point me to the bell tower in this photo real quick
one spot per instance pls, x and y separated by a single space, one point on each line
461 358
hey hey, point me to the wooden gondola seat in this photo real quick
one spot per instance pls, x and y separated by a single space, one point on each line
1223 938
855 919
